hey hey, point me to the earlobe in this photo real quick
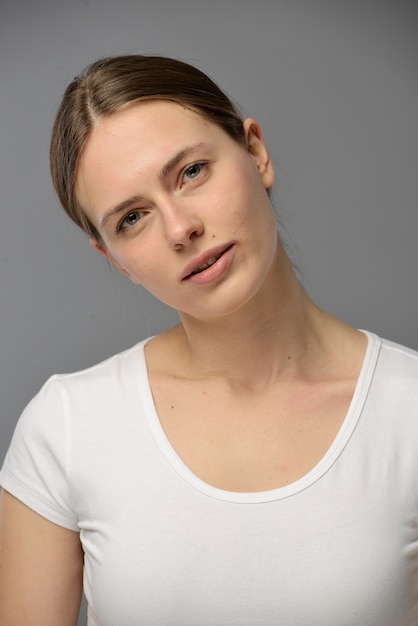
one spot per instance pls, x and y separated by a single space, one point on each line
98 247
257 148
101 249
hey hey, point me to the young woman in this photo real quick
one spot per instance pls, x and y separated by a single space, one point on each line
256 464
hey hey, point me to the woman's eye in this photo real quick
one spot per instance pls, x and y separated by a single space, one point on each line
193 171
129 220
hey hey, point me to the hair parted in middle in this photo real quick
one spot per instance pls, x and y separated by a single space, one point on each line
113 83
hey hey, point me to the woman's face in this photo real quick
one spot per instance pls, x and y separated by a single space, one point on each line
181 207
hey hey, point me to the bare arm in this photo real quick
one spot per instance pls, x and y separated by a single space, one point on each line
41 567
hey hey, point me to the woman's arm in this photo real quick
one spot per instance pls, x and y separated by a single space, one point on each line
41 568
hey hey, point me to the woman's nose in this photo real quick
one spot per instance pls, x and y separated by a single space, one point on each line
181 225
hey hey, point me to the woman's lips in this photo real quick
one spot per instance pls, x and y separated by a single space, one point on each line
199 270
208 263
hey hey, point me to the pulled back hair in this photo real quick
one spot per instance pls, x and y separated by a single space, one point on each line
114 83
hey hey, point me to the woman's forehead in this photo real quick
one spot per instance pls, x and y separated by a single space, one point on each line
140 144
149 131
153 116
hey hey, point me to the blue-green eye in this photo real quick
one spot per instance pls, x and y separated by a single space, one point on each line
128 221
193 171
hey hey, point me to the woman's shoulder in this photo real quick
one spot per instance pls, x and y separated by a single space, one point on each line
395 376
398 358
89 390
108 367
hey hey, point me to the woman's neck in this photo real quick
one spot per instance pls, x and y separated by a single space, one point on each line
276 334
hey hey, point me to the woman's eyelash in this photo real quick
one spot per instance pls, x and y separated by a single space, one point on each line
195 169
120 225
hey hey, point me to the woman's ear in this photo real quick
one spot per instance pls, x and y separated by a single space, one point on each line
98 247
101 249
257 148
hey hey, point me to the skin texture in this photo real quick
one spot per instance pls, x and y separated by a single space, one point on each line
168 191
181 216
40 568
285 390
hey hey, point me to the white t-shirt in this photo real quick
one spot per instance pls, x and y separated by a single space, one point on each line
339 547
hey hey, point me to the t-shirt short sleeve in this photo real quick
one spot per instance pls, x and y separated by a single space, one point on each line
37 468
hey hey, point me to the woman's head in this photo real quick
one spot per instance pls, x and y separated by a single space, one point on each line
111 84
179 204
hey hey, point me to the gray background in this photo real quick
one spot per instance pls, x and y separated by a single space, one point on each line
334 86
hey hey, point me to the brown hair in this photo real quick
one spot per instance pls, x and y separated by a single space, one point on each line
109 85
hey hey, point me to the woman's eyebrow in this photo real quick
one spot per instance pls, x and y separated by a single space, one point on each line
164 172
171 164
119 208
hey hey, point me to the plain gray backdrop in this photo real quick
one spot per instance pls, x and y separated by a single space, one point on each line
333 84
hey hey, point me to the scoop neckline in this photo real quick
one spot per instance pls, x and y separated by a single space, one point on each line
322 467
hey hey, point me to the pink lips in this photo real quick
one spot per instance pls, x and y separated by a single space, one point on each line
208 265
